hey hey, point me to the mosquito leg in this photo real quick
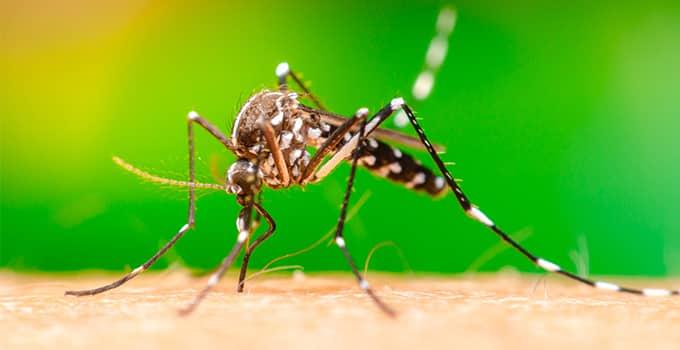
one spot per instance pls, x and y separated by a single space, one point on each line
258 217
136 271
346 150
243 226
475 213
279 159
329 146
284 177
283 72
339 239
253 228
193 117
249 250
471 210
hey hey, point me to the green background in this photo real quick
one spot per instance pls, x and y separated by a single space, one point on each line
562 120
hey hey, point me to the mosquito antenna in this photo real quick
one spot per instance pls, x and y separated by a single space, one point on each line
163 180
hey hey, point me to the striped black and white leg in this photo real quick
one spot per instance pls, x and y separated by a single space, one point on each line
475 213
283 72
192 118
339 238
249 249
353 140
284 178
336 137
243 226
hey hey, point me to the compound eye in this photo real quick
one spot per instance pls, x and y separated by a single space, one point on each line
242 178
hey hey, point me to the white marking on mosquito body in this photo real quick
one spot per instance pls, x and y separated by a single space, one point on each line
282 69
439 182
652 292
363 284
368 160
547 265
395 168
607 286
137 271
242 236
295 171
295 155
363 111
278 118
305 158
396 103
256 149
213 280
314 133
297 125
478 215
286 138
340 242
347 137
397 152
418 179
325 127
373 143
291 97
230 172
240 224
246 107
279 102
269 165
193 115
423 85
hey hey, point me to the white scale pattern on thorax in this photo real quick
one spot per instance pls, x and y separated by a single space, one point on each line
295 132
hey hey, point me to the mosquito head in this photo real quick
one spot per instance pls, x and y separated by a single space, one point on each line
243 179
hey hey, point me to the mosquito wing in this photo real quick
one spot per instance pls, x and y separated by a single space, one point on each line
382 134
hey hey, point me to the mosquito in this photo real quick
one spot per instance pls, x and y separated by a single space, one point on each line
271 138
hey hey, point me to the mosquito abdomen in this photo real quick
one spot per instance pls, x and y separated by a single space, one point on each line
399 166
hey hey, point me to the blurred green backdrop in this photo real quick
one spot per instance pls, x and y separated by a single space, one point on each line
562 119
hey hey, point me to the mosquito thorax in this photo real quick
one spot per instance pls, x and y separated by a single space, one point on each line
275 107
295 128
